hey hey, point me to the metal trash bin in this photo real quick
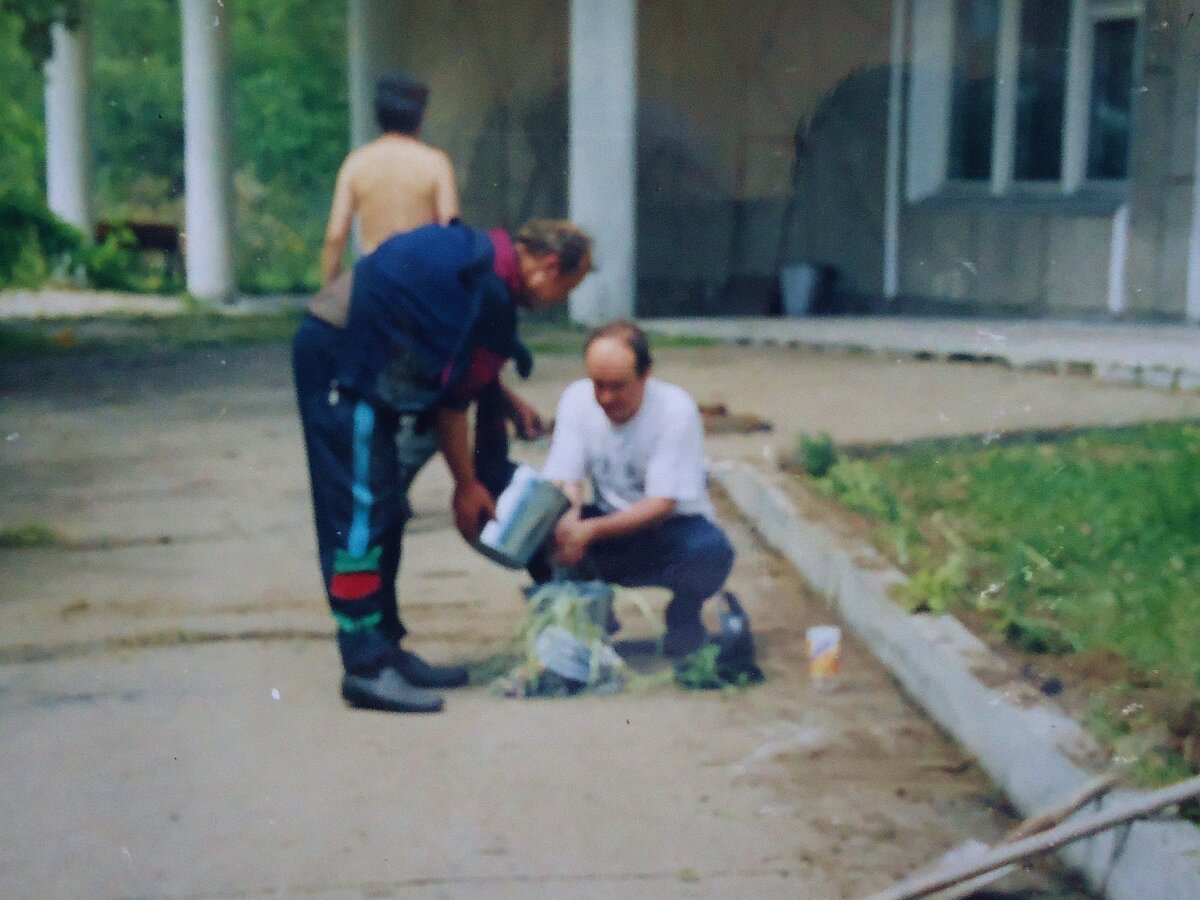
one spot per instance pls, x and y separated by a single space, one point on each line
798 285
807 289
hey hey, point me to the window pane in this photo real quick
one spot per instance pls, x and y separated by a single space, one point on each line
972 105
1113 49
1040 88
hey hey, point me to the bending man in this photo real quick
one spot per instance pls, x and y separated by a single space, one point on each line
640 442
432 320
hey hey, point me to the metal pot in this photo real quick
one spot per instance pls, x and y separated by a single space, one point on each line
526 512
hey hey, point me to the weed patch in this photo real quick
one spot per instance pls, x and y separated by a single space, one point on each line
1089 542
816 453
26 536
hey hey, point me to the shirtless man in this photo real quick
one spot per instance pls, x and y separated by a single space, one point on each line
394 183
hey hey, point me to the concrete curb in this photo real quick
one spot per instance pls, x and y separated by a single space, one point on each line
1034 752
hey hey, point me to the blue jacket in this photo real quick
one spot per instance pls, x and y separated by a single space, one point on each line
423 307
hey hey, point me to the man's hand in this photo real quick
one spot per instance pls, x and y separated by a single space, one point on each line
473 506
572 535
525 417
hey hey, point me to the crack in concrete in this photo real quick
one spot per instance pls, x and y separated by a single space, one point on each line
30 653
384 888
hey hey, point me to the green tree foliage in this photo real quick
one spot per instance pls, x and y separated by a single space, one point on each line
289 109
289 87
32 241
22 155
289 81
289 115
137 110
34 18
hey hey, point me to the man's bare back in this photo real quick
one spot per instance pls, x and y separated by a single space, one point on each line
394 183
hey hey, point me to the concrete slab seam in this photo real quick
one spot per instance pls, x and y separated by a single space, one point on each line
1034 752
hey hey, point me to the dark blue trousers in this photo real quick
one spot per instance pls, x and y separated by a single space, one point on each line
359 502
688 555
362 459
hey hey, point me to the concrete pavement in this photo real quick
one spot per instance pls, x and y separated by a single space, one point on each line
168 684
1165 356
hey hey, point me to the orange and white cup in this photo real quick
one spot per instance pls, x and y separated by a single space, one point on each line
824 655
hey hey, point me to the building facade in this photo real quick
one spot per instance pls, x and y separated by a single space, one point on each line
988 157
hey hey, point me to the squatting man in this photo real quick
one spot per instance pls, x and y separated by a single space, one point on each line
640 443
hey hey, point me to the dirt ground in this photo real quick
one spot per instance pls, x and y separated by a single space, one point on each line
168 682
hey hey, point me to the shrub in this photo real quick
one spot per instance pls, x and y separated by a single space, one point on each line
278 238
110 265
118 264
33 241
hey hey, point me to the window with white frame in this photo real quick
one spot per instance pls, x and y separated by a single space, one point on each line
1013 96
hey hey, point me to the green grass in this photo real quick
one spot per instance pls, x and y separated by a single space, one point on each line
19 339
683 341
25 536
1086 542
1089 542
556 336
196 327
140 333
201 329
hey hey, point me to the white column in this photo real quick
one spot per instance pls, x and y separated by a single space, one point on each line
370 25
891 215
602 180
1079 88
68 144
927 130
373 41
1192 309
357 36
1008 50
208 175
1118 256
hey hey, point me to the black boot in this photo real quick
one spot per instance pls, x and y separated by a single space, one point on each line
426 675
388 691
735 659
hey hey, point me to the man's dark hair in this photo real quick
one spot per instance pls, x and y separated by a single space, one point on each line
628 334
400 103
567 240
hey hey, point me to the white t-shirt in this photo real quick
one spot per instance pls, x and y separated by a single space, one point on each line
657 453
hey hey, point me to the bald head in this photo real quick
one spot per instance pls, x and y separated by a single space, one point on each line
612 365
